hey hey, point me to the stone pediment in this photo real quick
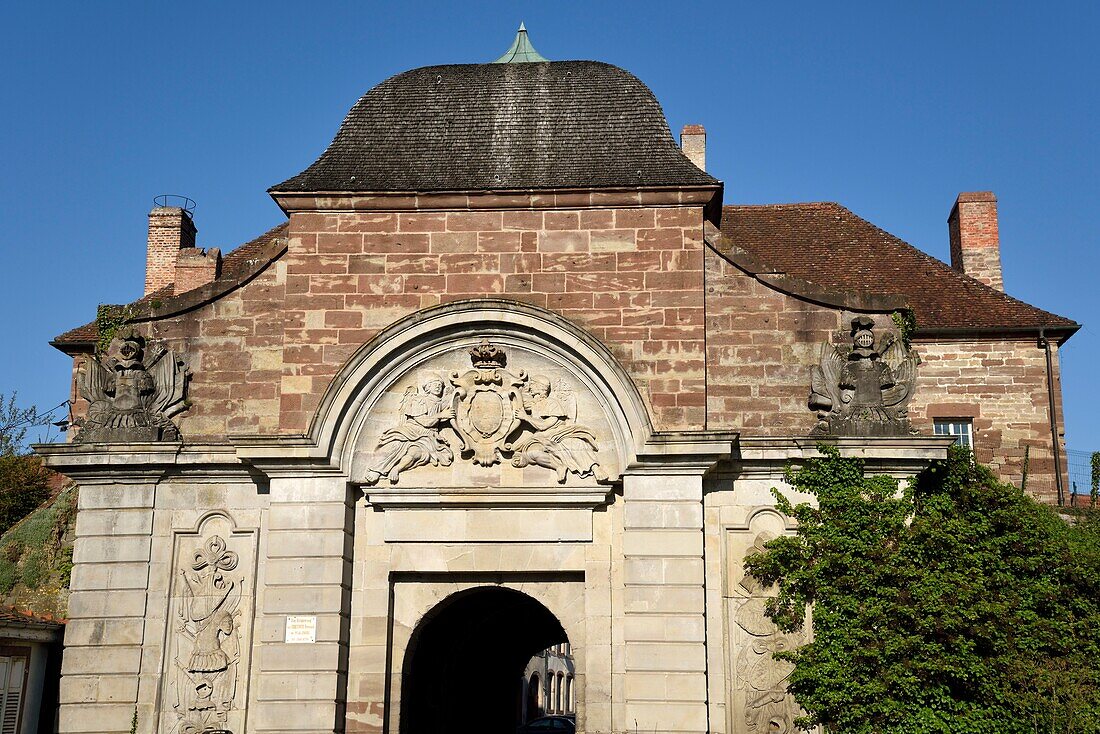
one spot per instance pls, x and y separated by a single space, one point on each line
492 415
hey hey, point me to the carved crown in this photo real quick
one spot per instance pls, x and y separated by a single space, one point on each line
488 356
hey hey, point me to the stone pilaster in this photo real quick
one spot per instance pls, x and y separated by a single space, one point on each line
301 687
105 633
663 617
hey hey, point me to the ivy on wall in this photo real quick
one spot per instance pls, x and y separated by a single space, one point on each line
905 321
108 320
957 605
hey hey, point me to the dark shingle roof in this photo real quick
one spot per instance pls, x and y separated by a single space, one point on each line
829 246
237 266
561 124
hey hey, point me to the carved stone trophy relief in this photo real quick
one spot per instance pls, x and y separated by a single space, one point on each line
760 679
864 389
133 393
206 638
486 415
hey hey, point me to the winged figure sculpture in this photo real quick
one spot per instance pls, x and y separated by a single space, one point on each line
863 388
133 392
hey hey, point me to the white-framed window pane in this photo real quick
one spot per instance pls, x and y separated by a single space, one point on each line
961 428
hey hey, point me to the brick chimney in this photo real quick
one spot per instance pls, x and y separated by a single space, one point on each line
693 141
975 242
195 267
170 230
171 256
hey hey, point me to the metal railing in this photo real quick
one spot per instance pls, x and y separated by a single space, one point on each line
1080 477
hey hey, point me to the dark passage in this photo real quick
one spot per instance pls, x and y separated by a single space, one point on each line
465 662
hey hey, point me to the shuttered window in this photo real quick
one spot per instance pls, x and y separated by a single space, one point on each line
13 671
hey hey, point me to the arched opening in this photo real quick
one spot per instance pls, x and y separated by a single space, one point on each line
531 709
466 656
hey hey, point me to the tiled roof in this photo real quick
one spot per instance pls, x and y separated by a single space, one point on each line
237 265
13 616
826 244
560 124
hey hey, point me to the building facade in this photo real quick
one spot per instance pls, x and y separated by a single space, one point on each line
510 376
547 686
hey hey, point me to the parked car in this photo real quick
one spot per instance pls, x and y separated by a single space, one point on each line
549 725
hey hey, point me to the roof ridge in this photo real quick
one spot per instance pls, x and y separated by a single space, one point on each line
786 205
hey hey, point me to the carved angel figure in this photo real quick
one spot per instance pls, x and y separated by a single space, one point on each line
557 443
206 676
416 441
863 389
133 394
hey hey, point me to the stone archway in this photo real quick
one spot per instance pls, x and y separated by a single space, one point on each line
466 658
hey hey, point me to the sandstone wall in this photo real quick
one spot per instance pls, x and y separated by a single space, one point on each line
631 277
708 344
761 344
1001 386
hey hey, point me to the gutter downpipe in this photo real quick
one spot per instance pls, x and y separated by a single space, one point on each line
1044 343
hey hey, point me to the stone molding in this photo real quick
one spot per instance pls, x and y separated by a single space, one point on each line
292 456
381 361
291 202
684 452
895 456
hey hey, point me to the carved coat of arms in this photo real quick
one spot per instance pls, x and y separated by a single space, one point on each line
863 389
488 414
133 393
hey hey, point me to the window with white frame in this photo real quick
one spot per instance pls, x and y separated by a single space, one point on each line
961 428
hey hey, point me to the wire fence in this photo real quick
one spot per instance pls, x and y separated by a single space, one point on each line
1080 477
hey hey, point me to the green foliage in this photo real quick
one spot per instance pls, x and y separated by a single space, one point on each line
906 323
24 485
37 530
34 549
134 722
14 422
34 570
12 552
1094 489
8 576
108 320
65 567
957 605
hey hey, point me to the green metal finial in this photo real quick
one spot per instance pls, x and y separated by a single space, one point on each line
521 51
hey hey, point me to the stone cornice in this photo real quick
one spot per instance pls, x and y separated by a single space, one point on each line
291 202
895 456
140 463
683 452
115 463
289 455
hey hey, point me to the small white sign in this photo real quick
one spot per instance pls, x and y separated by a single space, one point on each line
301 629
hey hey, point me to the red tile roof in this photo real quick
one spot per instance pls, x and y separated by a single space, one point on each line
236 266
829 246
11 615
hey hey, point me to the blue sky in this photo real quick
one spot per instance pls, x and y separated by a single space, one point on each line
888 108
